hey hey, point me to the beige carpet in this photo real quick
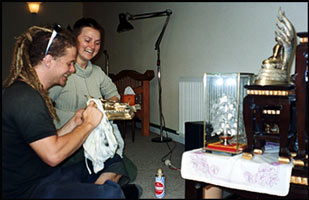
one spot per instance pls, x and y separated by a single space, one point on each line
147 156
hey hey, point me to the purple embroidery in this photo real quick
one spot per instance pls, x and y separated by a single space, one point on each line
265 176
200 164
276 163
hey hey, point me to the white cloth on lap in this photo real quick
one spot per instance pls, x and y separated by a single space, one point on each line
103 142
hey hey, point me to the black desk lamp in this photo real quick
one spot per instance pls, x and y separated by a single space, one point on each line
126 26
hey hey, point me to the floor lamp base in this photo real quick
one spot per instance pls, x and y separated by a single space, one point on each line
163 139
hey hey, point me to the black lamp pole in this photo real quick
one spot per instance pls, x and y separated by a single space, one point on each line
124 26
157 47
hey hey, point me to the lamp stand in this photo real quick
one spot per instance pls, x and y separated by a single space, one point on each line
157 47
161 138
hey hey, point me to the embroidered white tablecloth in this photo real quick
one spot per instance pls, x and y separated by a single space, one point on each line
262 174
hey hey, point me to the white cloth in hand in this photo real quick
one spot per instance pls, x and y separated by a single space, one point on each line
103 142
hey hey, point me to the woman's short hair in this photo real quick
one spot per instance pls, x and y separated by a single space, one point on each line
87 22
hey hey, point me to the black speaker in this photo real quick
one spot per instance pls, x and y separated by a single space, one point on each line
194 135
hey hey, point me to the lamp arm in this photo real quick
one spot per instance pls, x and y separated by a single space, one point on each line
167 13
157 45
149 15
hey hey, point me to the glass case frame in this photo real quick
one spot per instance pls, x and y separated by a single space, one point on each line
215 86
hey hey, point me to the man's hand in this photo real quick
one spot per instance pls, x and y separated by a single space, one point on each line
78 117
92 114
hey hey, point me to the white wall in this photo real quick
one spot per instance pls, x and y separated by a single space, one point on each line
200 37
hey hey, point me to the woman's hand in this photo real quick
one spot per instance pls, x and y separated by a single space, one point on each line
114 98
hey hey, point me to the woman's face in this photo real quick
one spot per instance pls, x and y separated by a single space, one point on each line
89 43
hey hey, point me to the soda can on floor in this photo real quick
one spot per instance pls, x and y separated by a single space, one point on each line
159 184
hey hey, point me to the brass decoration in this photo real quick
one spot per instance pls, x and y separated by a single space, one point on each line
272 128
293 154
276 69
117 111
247 155
299 180
283 160
271 112
303 40
270 92
300 163
258 151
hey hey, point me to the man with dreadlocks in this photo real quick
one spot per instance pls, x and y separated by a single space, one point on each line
32 148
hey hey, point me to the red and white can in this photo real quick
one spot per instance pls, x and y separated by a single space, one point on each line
160 184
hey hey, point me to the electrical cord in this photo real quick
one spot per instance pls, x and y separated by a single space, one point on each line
164 159
168 163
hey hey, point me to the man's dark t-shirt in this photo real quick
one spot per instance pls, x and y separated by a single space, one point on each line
25 119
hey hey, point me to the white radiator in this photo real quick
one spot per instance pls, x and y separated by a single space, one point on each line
191 98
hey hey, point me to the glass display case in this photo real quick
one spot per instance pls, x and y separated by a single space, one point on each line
223 98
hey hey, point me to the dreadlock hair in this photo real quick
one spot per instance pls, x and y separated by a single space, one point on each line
29 50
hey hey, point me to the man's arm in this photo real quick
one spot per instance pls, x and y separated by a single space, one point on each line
75 121
54 149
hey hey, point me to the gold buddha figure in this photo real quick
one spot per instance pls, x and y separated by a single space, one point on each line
275 69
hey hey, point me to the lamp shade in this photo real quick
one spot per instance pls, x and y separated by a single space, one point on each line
34 7
124 25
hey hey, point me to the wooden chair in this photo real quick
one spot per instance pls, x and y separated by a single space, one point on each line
140 84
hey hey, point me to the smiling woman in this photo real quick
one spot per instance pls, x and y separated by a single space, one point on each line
89 43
